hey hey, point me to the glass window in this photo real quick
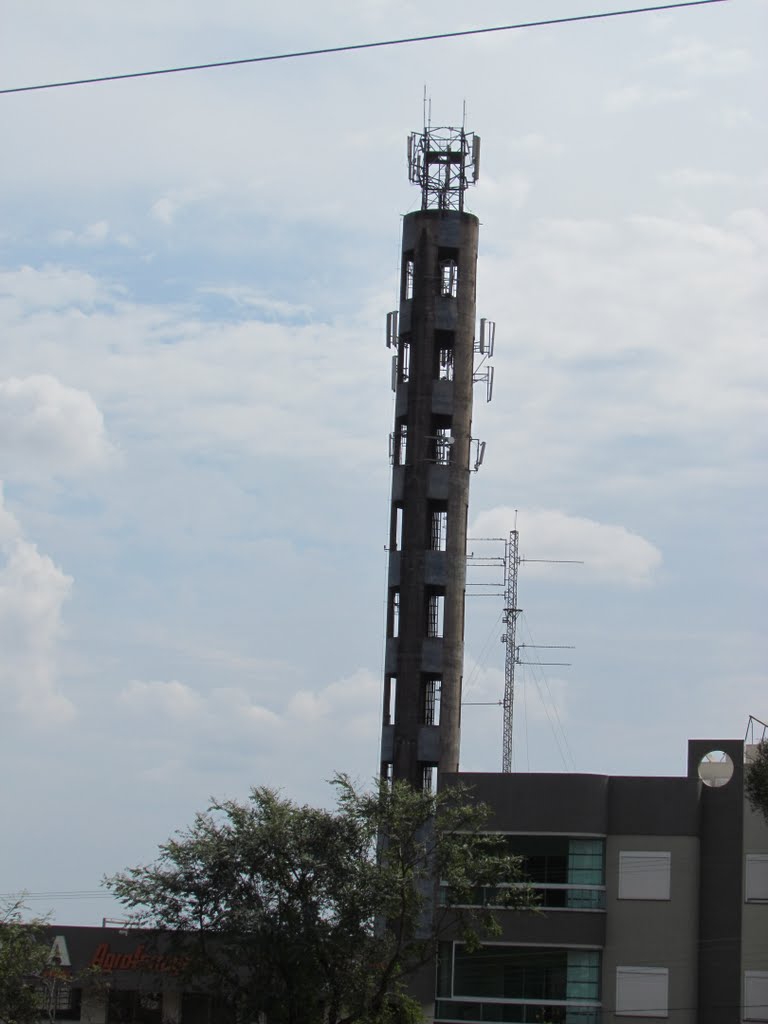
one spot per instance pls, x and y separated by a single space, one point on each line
519 973
585 862
515 1013
560 860
583 974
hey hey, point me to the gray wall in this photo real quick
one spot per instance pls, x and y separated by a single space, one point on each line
754 921
654 933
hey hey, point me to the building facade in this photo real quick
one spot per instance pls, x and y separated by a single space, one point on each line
653 901
124 976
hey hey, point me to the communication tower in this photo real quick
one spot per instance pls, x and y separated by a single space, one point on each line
432 452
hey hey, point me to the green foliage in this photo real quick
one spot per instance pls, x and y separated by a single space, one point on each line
310 915
24 955
756 779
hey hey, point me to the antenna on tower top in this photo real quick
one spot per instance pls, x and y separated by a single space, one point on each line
444 162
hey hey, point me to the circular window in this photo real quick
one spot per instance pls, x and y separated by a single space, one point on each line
715 768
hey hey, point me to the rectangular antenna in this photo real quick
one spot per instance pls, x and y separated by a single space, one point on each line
394 373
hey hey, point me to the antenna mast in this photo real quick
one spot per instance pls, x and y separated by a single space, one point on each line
444 162
511 611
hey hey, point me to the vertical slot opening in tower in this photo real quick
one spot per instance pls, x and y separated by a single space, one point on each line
407 285
444 347
435 613
430 700
438 525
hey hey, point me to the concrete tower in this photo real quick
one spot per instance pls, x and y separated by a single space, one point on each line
432 454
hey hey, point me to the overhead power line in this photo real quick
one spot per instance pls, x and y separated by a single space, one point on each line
359 46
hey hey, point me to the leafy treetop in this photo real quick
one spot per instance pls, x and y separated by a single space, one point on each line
310 915
756 779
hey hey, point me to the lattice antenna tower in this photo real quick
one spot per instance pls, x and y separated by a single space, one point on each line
511 612
512 562
444 162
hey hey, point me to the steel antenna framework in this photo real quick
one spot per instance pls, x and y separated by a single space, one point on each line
511 612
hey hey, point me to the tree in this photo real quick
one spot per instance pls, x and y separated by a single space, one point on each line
24 957
756 779
309 915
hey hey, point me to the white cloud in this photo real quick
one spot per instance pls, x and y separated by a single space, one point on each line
611 553
50 287
327 727
47 428
32 594
700 58
173 698
167 207
692 177
534 144
629 97
93 234
250 298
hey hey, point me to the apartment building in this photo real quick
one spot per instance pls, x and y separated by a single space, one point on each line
653 900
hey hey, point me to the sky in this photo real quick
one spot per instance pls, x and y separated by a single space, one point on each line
195 272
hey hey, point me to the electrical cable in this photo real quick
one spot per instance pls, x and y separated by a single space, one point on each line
547 701
358 46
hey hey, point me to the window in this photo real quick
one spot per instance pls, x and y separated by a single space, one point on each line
642 991
444 346
441 440
756 887
430 700
129 1007
435 614
396 528
756 995
394 613
407 275
448 277
644 874
585 861
399 444
518 983
429 777
567 873
200 1008
438 526
403 359
390 692
60 1000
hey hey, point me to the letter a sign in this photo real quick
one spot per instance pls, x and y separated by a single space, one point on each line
60 953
